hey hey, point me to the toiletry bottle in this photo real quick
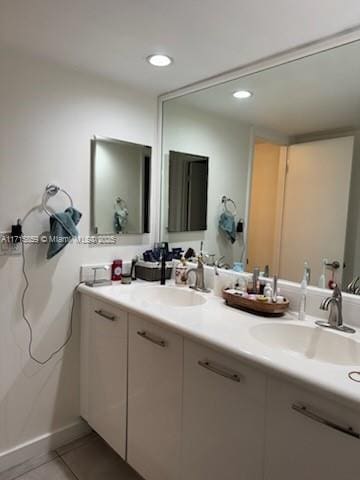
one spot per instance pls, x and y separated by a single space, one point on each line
275 289
116 270
322 279
303 291
268 292
241 285
250 285
256 281
133 268
180 272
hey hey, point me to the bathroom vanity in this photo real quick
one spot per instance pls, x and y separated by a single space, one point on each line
185 388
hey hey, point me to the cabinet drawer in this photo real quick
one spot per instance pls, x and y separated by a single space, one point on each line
102 311
303 439
223 417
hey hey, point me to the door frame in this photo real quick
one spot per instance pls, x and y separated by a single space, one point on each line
284 143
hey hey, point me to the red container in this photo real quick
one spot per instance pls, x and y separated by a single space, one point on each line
116 270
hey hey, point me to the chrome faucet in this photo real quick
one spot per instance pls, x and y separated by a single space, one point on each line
335 314
353 286
221 264
199 274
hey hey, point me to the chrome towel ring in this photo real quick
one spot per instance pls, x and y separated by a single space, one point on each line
50 191
225 201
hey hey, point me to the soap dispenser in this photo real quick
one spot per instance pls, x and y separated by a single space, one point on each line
180 272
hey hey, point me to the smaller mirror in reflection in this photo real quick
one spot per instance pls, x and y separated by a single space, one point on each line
188 191
120 193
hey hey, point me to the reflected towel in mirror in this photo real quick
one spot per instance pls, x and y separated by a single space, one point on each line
227 225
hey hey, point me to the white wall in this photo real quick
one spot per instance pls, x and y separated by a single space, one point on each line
48 115
227 144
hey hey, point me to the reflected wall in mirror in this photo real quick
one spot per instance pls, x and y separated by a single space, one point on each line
217 137
188 187
289 158
120 190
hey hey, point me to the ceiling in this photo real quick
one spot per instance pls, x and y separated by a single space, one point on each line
316 94
112 38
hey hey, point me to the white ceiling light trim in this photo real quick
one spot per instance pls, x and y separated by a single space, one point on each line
159 60
242 94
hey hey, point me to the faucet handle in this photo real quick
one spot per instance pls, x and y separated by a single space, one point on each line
324 305
200 260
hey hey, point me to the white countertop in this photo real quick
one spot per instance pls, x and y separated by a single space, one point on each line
229 330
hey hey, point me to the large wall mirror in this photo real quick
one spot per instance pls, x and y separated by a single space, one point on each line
283 150
120 190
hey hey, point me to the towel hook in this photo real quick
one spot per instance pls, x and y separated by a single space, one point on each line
50 191
225 200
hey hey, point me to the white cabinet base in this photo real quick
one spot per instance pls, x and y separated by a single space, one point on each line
223 417
104 366
300 448
155 397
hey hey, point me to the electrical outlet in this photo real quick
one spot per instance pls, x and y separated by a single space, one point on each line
7 247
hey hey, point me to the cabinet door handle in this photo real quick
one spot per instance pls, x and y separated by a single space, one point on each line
224 372
157 341
106 315
303 410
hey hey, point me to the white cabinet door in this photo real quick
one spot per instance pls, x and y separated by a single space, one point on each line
85 326
155 391
299 447
223 417
106 372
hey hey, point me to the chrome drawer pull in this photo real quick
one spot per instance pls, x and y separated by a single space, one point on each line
235 377
157 341
106 315
328 423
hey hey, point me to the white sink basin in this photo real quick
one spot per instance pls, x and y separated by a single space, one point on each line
170 296
310 342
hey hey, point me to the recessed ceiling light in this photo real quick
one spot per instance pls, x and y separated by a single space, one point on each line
159 60
242 94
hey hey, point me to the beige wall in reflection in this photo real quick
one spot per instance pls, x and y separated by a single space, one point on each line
266 196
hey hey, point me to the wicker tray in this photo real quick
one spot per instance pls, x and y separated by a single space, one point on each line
151 274
256 306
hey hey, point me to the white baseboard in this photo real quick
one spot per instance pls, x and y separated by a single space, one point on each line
43 444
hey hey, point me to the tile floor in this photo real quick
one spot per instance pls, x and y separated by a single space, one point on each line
88 458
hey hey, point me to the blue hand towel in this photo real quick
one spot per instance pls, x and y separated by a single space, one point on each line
227 225
62 230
